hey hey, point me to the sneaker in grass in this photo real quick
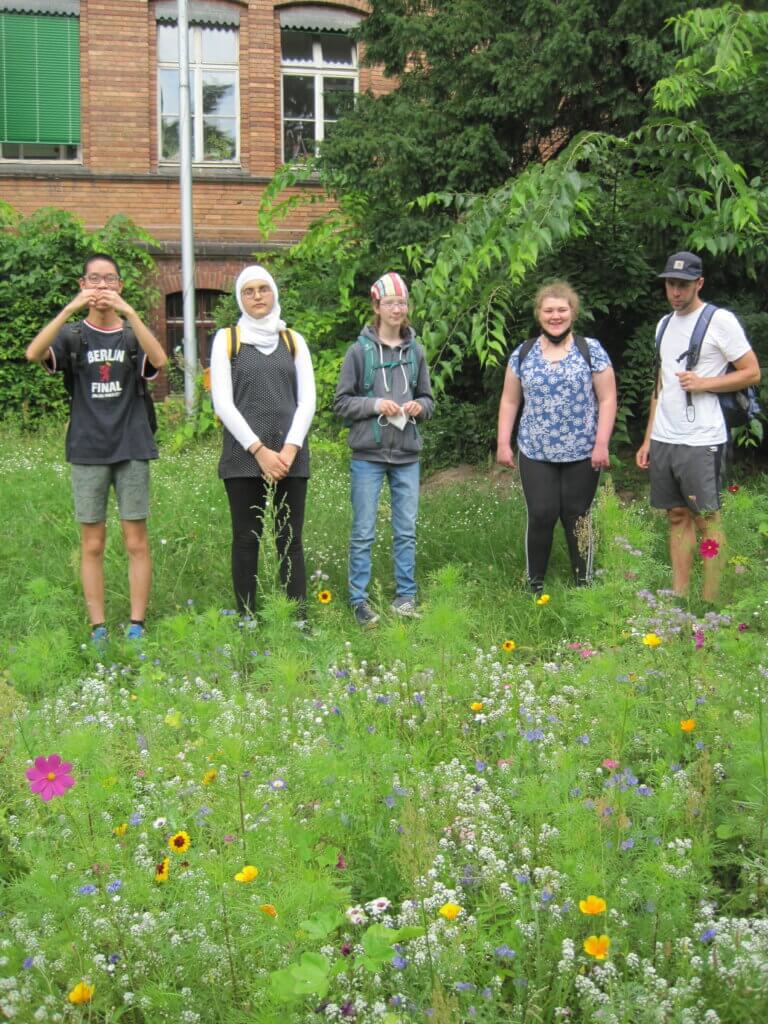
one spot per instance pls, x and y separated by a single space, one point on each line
99 636
405 607
135 631
365 616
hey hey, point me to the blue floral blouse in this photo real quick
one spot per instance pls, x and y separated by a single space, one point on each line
559 420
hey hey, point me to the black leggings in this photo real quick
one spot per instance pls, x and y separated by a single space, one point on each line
564 491
247 501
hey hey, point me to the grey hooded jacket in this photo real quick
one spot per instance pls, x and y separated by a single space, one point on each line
362 411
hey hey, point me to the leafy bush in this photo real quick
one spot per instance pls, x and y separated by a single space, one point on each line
41 261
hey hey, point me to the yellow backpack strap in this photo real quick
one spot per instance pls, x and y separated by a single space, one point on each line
289 340
229 341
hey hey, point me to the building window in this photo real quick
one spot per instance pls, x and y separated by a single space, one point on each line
213 88
206 300
39 87
319 83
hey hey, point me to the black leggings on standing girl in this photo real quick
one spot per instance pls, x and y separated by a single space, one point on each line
564 491
247 501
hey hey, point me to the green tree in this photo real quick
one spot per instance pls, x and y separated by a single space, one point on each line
41 261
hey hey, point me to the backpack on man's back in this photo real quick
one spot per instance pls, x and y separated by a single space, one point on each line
739 407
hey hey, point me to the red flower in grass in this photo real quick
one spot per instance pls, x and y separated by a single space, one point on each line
50 777
709 548
733 489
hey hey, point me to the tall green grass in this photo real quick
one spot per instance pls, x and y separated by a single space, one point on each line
426 809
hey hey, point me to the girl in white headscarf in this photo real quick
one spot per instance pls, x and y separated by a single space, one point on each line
263 391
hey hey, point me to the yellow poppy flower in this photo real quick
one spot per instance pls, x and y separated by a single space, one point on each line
81 993
652 640
597 946
247 874
268 909
687 724
450 911
592 905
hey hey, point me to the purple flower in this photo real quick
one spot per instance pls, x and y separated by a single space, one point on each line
480 766
464 986
383 698
28 963
522 878
399 962
135 818
627 844
418 698
504 952
278 784
114 958
114 887
389 800
546 895
533 734
644 790
583 739
708 935
87 890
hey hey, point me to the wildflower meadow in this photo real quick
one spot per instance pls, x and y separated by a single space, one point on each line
510 809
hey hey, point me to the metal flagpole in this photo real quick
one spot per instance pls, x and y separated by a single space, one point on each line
187 233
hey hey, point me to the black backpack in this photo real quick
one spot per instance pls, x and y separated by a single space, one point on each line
739 407
75 344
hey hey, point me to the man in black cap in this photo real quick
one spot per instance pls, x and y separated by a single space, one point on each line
686 436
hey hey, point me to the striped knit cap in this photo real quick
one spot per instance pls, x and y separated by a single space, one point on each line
389 286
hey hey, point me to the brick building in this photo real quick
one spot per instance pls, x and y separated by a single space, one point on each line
89 119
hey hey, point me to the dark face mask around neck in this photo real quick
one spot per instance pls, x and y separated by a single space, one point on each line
556 339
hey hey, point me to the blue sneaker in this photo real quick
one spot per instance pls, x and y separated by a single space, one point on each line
135 631
99 636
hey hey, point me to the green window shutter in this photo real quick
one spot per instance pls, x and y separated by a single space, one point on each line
39 78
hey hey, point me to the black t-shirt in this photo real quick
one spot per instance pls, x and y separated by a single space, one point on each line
108 421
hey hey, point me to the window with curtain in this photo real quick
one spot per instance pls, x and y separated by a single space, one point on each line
213 89
39 86
319 75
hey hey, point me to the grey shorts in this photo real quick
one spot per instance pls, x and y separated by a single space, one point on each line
686 476
91 484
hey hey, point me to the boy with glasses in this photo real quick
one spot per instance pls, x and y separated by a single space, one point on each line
383 391
106 360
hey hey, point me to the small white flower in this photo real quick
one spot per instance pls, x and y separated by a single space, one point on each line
159 823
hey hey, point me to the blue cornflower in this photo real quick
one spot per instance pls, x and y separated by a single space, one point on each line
505 952
87 890
644 790
583 739
708 935
389 800
533 734
114 887
627 844
464 986
418 698
28 963
135 818
399 962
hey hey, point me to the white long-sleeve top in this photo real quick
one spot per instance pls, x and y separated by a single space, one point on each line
227 411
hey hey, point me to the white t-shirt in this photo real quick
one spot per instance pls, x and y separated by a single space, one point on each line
703 423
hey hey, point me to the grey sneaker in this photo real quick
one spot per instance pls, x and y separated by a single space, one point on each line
405 607
365 616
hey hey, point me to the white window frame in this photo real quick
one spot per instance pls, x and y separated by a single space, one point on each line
196 71
318 69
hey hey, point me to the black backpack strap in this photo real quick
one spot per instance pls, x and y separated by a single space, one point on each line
583 346
697 335
525 349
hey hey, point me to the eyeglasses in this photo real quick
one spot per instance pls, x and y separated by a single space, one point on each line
94 279
251 293
394 303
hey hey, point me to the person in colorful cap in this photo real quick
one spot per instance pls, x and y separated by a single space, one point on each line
383 392
263 390
686 436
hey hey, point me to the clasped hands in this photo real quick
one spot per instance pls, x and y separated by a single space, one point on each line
274 465
389 408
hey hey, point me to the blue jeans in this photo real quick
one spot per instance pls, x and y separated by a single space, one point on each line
367 480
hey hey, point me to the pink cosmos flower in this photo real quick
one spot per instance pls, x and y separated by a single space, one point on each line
50 777
709 548
608 762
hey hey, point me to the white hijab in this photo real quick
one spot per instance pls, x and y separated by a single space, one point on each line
264 333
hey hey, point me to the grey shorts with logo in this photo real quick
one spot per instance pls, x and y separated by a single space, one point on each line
686 476
91 484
